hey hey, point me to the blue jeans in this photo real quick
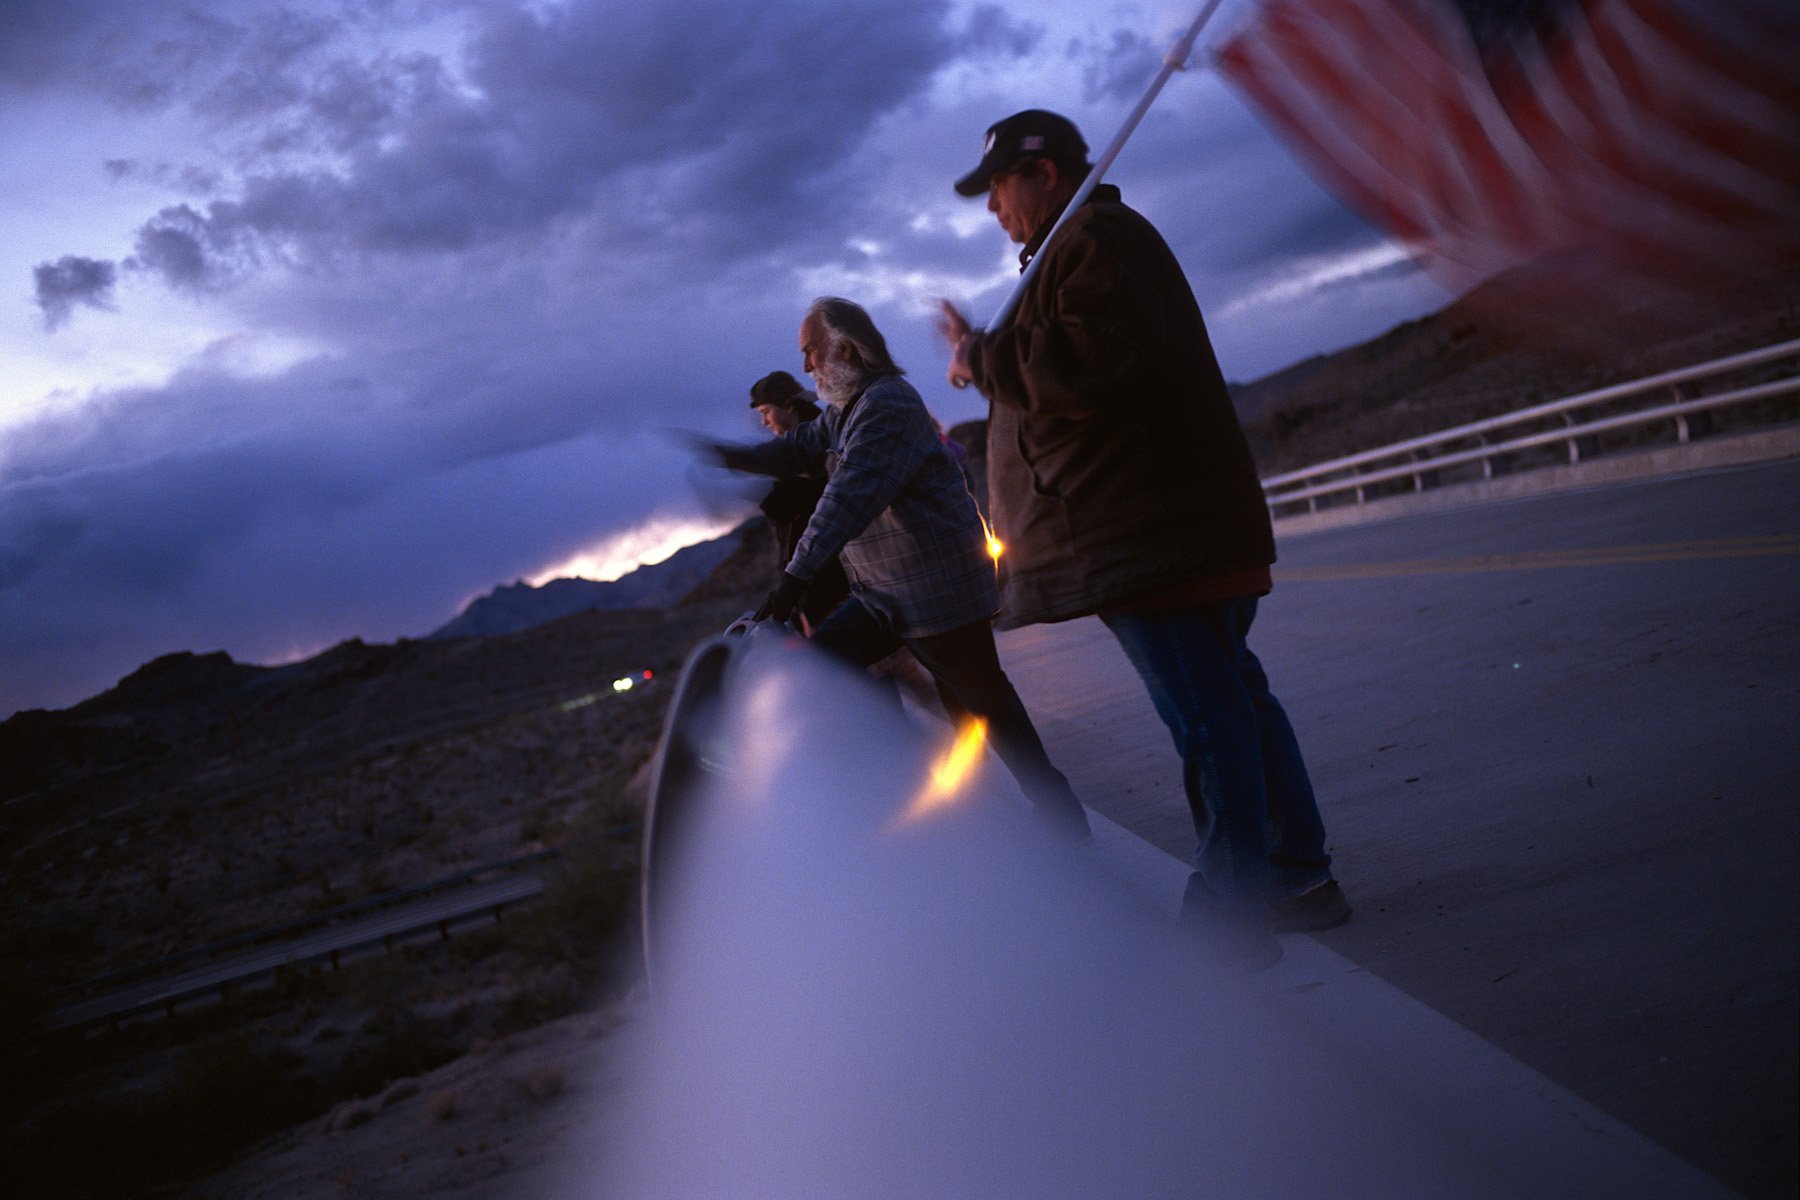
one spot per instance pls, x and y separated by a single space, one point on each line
1261 837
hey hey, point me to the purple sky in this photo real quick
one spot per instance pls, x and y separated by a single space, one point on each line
327 317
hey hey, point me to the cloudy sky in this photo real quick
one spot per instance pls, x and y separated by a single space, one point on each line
326 316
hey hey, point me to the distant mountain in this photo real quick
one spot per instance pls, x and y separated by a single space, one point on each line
510 608
1484 355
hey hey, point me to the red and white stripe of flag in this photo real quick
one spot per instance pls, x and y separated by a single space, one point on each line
1637 139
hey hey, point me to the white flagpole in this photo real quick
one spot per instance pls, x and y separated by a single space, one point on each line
1172 62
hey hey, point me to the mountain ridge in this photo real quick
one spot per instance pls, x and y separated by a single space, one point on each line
512 607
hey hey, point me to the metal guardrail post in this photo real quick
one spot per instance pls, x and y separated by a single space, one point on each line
1689 426
1423 479
1581 446
1692 413
1494 465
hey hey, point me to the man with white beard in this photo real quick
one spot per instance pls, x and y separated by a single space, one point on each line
897 513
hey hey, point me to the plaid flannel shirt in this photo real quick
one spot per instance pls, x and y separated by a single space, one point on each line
895 509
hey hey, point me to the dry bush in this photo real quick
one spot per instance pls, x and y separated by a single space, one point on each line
404 1089
442 1106
349 1115
543 1082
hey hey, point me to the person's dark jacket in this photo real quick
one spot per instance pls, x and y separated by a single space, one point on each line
787 508
1116 465
894 506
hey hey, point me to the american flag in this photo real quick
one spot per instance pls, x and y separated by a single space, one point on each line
1654 141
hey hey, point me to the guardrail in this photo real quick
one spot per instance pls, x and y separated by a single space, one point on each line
298 926
219 968
1575 424
223 978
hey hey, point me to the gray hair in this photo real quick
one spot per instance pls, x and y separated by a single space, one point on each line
849 324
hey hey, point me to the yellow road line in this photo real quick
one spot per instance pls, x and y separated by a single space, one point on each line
1595 556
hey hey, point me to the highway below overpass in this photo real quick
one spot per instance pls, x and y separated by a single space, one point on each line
1555 740
206 979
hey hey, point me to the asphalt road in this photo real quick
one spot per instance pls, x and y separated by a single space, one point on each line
1555 743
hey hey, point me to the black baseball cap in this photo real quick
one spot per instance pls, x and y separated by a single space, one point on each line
777 388
1033 133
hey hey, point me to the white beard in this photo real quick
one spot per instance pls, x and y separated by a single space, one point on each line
837 382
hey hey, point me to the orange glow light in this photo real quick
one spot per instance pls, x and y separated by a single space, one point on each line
948 774
995 547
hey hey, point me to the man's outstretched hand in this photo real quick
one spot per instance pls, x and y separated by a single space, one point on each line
782 601
961 335
710 450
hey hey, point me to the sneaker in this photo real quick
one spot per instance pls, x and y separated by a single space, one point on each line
1319 908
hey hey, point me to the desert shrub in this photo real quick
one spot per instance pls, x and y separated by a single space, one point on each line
543 995
542 1083
172 1099
442 1106
395 1042
588 901
221 1094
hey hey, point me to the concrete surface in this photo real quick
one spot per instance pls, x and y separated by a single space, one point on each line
1554 741
1476 1095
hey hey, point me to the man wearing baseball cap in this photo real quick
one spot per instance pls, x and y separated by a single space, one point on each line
783 406
1122 485
781 402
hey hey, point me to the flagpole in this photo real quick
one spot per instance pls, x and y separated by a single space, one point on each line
1172 62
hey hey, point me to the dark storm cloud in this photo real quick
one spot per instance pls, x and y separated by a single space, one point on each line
263 64
992 31
1292 232
34 528
709 131
46 43
196 181
173 244
743 112
941 249
222 58
368 495
69 281
700 128
1119 67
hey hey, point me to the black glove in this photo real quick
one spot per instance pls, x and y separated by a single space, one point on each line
783 600
736 458
720 454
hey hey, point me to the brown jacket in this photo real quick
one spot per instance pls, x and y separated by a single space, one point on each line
1116 466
